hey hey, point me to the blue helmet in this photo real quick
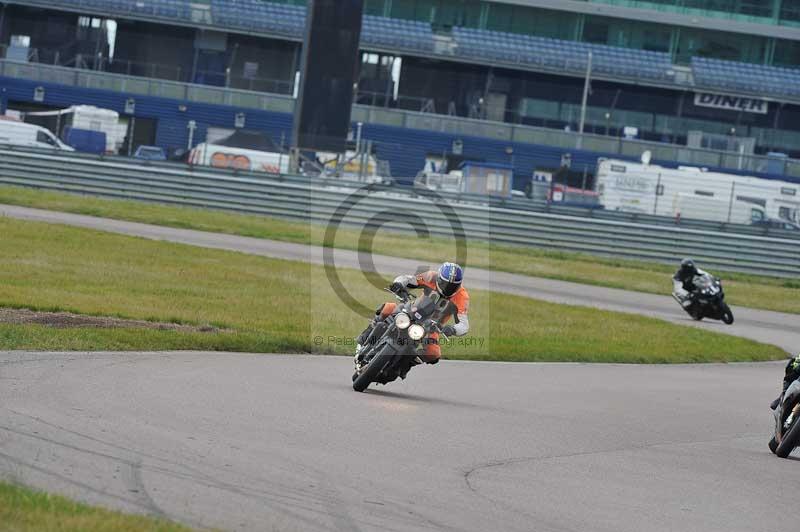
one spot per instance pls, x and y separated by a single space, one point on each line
449 280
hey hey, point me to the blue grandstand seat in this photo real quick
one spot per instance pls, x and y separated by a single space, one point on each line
262 15
556 53
734 76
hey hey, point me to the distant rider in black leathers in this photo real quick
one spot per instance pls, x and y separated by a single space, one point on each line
682 280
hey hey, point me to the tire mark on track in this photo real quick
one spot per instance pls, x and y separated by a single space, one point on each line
531 459
295 503
190 470
137 487
21 464
644 447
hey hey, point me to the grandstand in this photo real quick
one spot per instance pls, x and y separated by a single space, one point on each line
498 74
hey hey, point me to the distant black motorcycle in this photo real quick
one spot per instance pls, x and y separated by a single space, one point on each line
391 349
707 300
787 422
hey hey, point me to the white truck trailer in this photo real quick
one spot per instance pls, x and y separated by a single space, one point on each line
694 193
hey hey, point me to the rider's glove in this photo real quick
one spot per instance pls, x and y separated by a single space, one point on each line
397 287
449 330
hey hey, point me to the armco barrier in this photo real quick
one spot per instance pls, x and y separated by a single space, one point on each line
316 200
514 203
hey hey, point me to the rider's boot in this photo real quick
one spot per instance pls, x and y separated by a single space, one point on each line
416 361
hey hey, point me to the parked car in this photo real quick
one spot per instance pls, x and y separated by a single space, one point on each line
150 153
777 223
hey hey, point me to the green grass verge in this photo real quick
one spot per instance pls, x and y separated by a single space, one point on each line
780 295
25 510
282 306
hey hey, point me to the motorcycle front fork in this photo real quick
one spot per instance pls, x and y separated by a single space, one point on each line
367 340
790 418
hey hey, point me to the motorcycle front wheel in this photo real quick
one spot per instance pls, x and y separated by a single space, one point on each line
790 440
369 373
727 315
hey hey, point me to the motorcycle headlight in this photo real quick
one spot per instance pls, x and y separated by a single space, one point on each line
416 332
402 321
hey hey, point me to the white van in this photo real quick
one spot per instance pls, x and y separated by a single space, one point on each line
15 133
230 158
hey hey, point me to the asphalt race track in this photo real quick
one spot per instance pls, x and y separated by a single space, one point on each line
775 328
273 442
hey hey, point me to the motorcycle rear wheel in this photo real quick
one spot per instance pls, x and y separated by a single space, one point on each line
790 440
372 370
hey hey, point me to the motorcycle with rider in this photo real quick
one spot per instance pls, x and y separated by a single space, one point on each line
407 332
786 410
700 294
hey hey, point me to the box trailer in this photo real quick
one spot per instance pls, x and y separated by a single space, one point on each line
692 192
87 118
480 179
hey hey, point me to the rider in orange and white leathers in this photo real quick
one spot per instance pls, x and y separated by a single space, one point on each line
447 281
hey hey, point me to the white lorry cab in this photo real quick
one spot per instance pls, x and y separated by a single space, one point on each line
694 193
692 206
16 133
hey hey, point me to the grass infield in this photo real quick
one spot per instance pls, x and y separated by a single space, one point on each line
25 510
264 305
782 295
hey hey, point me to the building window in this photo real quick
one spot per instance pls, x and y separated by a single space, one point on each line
495 183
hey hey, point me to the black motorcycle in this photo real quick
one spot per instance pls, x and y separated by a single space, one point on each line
392 347
707 300
787 422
